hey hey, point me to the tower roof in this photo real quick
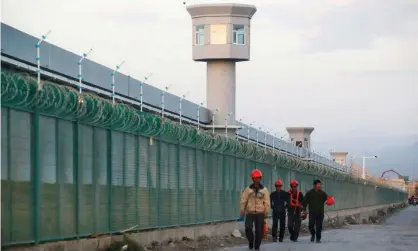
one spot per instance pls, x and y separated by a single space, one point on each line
300 129
339 153
221 9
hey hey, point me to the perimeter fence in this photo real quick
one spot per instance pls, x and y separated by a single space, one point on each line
74 164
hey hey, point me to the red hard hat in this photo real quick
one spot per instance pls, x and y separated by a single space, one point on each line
294 183
330 201
278 183
256 174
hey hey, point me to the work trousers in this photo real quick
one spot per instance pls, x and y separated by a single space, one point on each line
294 221
278 216
256 220
315 224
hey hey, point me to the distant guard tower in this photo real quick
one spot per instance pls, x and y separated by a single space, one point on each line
339 157
221 37
300 136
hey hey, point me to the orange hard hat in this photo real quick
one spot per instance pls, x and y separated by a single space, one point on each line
278 183
330 201
256 174
294 183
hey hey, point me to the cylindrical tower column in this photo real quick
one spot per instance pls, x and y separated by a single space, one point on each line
220 89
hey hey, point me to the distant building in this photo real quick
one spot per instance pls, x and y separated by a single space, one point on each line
412 188
397 183
357 170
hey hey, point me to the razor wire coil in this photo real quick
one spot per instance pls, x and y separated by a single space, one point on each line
19 90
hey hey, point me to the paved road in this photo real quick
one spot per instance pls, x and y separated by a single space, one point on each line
399 233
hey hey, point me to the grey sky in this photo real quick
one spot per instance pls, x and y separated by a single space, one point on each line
347 67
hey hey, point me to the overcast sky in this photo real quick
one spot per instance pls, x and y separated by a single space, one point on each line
347 67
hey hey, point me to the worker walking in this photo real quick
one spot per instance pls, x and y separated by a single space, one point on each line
294 210
279 200
254 205
315 200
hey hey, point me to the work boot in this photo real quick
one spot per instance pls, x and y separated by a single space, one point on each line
312 238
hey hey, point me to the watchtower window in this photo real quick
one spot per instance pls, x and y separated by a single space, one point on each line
238 34
200 35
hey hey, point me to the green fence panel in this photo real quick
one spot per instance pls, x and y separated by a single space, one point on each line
17 191
100 180
143 195
49 184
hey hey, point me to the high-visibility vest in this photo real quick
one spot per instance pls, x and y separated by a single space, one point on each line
294 202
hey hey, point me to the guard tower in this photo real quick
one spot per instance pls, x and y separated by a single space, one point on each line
339 157
221 37
300 136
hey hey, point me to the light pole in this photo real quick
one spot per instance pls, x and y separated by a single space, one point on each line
259 129
363 175
265 138
162 99
285 144
141 94
38 57
213 119
180 103
226 124
297 149
80 73
198 116
274 137
236 133
113 80
248 131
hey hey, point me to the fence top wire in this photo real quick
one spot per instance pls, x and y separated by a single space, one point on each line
19 91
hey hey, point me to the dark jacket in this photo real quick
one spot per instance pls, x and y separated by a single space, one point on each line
315 200
300 199
279 201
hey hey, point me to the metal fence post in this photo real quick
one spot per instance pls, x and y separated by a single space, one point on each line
234 196
58 176
75 175
158 182
109 177
125 188
196 184
137 172
178 183
36 176
224 185
9 178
